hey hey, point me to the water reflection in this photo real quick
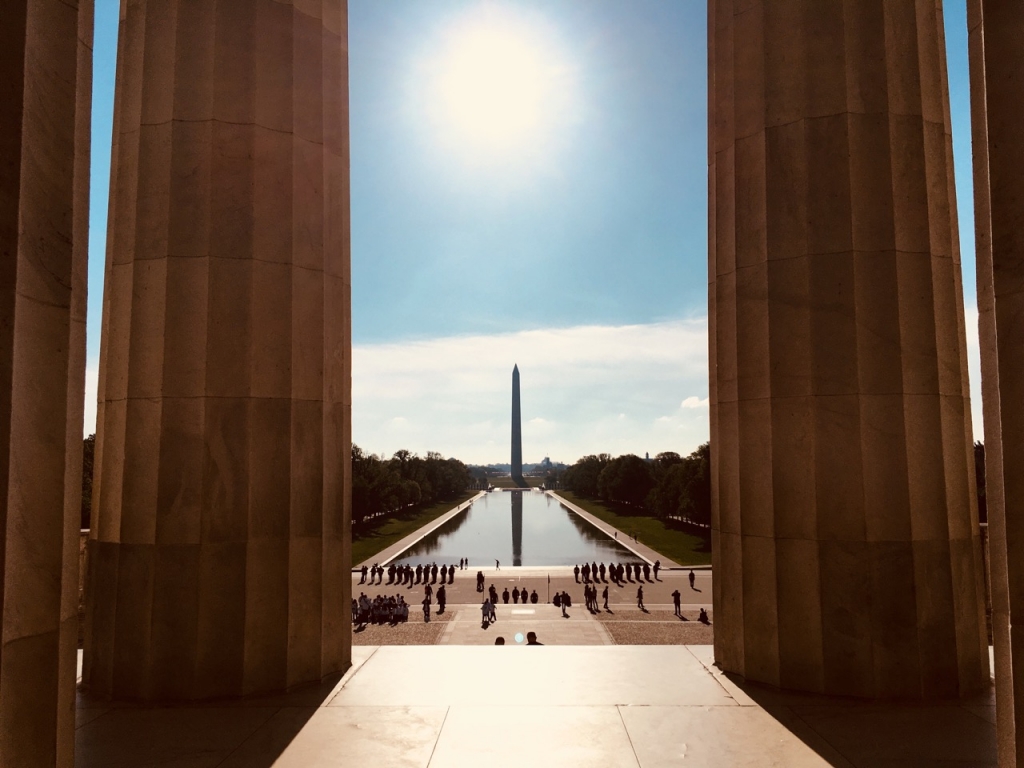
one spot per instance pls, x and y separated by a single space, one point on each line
517 528
543 533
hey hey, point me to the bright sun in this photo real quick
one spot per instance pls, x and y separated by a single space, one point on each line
498 83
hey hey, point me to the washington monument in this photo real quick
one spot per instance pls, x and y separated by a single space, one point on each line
517 431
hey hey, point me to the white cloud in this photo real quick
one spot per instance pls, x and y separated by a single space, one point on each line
588 389
974 370
91 389
695 402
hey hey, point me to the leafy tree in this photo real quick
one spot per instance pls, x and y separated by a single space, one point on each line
581 477
627 479
979 473
88 453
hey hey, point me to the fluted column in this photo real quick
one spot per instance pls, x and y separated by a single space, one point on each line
220 547
997 98
846 544
45 89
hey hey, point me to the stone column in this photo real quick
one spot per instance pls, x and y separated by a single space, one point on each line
45 89
997 97
219 555
846 545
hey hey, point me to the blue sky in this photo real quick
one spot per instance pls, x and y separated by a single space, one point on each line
572 242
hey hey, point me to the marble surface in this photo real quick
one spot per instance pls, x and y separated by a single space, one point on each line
846 546
614 706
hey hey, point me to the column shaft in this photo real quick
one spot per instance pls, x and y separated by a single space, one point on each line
997 97
219 553
846 543
45 87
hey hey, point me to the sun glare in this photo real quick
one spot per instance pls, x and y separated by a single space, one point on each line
499 84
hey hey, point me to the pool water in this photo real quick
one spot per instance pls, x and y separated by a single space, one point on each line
517 528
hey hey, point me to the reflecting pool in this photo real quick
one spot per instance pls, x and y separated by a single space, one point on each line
517 528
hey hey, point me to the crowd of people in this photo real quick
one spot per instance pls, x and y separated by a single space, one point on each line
383 609
619 573
393 609
400 574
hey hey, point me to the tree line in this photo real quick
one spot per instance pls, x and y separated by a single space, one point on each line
667 486
384 486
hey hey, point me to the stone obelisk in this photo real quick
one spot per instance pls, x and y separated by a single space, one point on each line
517 431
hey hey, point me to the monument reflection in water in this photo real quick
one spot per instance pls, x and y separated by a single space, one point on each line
518 528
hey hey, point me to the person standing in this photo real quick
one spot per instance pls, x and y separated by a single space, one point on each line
426 609
497 565
515 594
602 572
442 598
657 567
605 596
504 596
692 578
640 598
362 575
485 610
576 573
677 602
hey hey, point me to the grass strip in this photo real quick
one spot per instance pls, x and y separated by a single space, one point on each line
670 540
379 534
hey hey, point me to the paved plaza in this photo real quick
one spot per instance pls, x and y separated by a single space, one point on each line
621 623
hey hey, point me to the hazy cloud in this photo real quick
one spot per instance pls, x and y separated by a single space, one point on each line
587 389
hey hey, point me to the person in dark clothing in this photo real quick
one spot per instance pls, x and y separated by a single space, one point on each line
444 573
605 596
657 567
433 573
362 575
428 590
576 573
692 578
442 598
534 597
677 601
426 609
586 572
602 572
647 571
504 596
640 598
494 594
479 581
593 571
703 618
515 594
419 573
451 574
531 639
499 640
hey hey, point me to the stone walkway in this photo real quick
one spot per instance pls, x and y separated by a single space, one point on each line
387 555
621 537
515 621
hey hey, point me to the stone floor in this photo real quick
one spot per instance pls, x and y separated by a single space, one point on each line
593 706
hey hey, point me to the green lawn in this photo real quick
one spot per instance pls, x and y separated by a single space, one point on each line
382 533
674 543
